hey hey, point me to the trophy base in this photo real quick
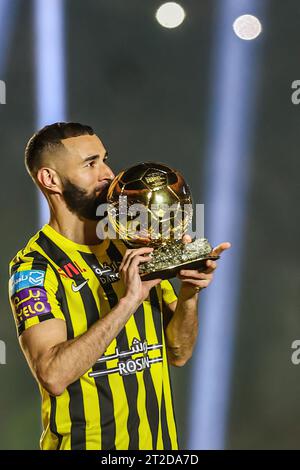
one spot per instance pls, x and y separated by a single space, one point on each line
172 271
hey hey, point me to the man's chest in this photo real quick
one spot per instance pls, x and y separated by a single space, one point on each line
91 286
89 269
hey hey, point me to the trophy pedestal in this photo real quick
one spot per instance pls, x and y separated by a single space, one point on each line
172 271
170 258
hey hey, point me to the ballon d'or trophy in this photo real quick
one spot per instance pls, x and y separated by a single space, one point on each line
156 212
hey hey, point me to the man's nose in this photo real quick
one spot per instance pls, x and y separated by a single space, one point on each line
106 173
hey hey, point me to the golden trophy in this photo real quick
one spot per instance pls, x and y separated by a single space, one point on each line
150 204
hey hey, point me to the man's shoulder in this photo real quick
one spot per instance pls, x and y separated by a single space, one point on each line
23 256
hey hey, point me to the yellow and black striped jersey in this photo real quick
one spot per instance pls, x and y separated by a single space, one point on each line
125 400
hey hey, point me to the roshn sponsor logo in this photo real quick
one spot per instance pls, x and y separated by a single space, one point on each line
132 365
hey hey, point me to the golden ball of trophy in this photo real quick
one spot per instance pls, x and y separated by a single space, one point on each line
150 204
163 194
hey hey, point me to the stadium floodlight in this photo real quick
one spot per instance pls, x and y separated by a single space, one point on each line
170 15
247 27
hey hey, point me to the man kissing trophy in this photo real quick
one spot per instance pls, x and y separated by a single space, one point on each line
150 204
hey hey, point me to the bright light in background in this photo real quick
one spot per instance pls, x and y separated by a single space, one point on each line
232 110
247 27
49 70
170 15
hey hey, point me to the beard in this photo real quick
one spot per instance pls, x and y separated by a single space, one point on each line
80 202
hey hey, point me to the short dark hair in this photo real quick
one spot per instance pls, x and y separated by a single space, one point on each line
48 139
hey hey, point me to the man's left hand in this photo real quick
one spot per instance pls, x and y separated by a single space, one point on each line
192 280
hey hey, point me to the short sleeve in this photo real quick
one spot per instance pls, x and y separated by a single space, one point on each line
33 294
168 292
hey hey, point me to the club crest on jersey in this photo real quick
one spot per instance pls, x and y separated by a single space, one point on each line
26 279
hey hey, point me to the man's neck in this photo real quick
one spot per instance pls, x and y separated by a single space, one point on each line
81 231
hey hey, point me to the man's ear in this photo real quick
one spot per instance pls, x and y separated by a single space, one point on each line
49 180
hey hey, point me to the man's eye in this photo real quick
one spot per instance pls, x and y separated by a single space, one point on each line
91 164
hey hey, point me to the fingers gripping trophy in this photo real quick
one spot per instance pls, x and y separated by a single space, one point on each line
150 204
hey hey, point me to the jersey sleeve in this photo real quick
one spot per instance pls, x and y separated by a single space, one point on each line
168 292
33 288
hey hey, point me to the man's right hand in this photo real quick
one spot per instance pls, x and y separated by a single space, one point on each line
136 290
